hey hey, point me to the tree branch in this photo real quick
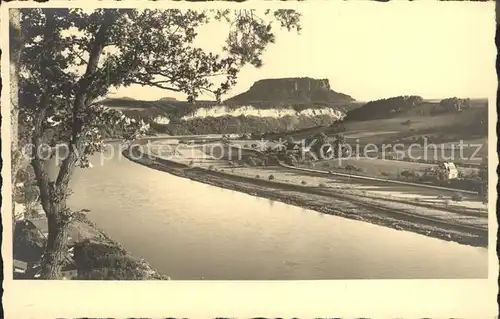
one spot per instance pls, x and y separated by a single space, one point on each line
38 129
76 144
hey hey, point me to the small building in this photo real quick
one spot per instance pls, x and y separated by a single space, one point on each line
69 272
20 266
450 169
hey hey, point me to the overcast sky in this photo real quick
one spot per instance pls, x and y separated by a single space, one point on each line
375 50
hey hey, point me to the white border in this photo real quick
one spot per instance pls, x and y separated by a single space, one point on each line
242 299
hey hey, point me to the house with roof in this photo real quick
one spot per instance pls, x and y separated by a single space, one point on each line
20 267
28 252
69 272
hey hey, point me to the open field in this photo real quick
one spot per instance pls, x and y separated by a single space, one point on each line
468 125
425 211
379 167
196 156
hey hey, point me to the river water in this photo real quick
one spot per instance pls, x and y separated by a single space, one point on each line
188 230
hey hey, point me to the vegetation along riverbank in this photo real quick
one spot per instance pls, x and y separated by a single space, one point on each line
90 255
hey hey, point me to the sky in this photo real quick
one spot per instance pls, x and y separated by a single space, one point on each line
374 50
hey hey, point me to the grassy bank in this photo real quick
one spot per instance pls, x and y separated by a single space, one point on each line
340 203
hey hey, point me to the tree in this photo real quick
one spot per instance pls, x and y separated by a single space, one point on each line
14 56
71 58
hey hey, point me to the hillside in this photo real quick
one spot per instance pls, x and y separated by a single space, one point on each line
270 105
292 91
407 119
404 106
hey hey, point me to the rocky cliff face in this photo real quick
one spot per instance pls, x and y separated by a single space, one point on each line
270 105
291 91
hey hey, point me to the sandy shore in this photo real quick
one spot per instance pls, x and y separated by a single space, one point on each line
338 197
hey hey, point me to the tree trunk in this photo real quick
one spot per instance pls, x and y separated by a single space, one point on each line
56 249
15 53
14 56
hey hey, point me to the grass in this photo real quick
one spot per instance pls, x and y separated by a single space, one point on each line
380 167
448 127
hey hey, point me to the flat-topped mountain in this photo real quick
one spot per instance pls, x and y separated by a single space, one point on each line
276 105
291 91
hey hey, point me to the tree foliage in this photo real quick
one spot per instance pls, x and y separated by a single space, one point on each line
384 108
71 58
455 104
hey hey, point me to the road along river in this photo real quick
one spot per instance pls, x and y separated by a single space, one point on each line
188 230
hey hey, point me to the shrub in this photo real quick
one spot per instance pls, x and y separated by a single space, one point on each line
211 167
191 163
23 176
407 174
322 185
251 161
350 168
257 176
271 177
457 197
384 174
100 261
303 183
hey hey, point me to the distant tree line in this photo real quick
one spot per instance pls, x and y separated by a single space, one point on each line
455 104
384 108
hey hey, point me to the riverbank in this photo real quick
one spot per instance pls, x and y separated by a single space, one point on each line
91 255
437 223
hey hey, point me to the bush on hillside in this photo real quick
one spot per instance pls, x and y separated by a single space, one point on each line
408 174
457 197
251 161
350 168
271 177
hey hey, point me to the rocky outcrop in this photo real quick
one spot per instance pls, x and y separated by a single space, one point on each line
291 91
270 105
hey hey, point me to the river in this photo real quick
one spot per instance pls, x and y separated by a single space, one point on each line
188 230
